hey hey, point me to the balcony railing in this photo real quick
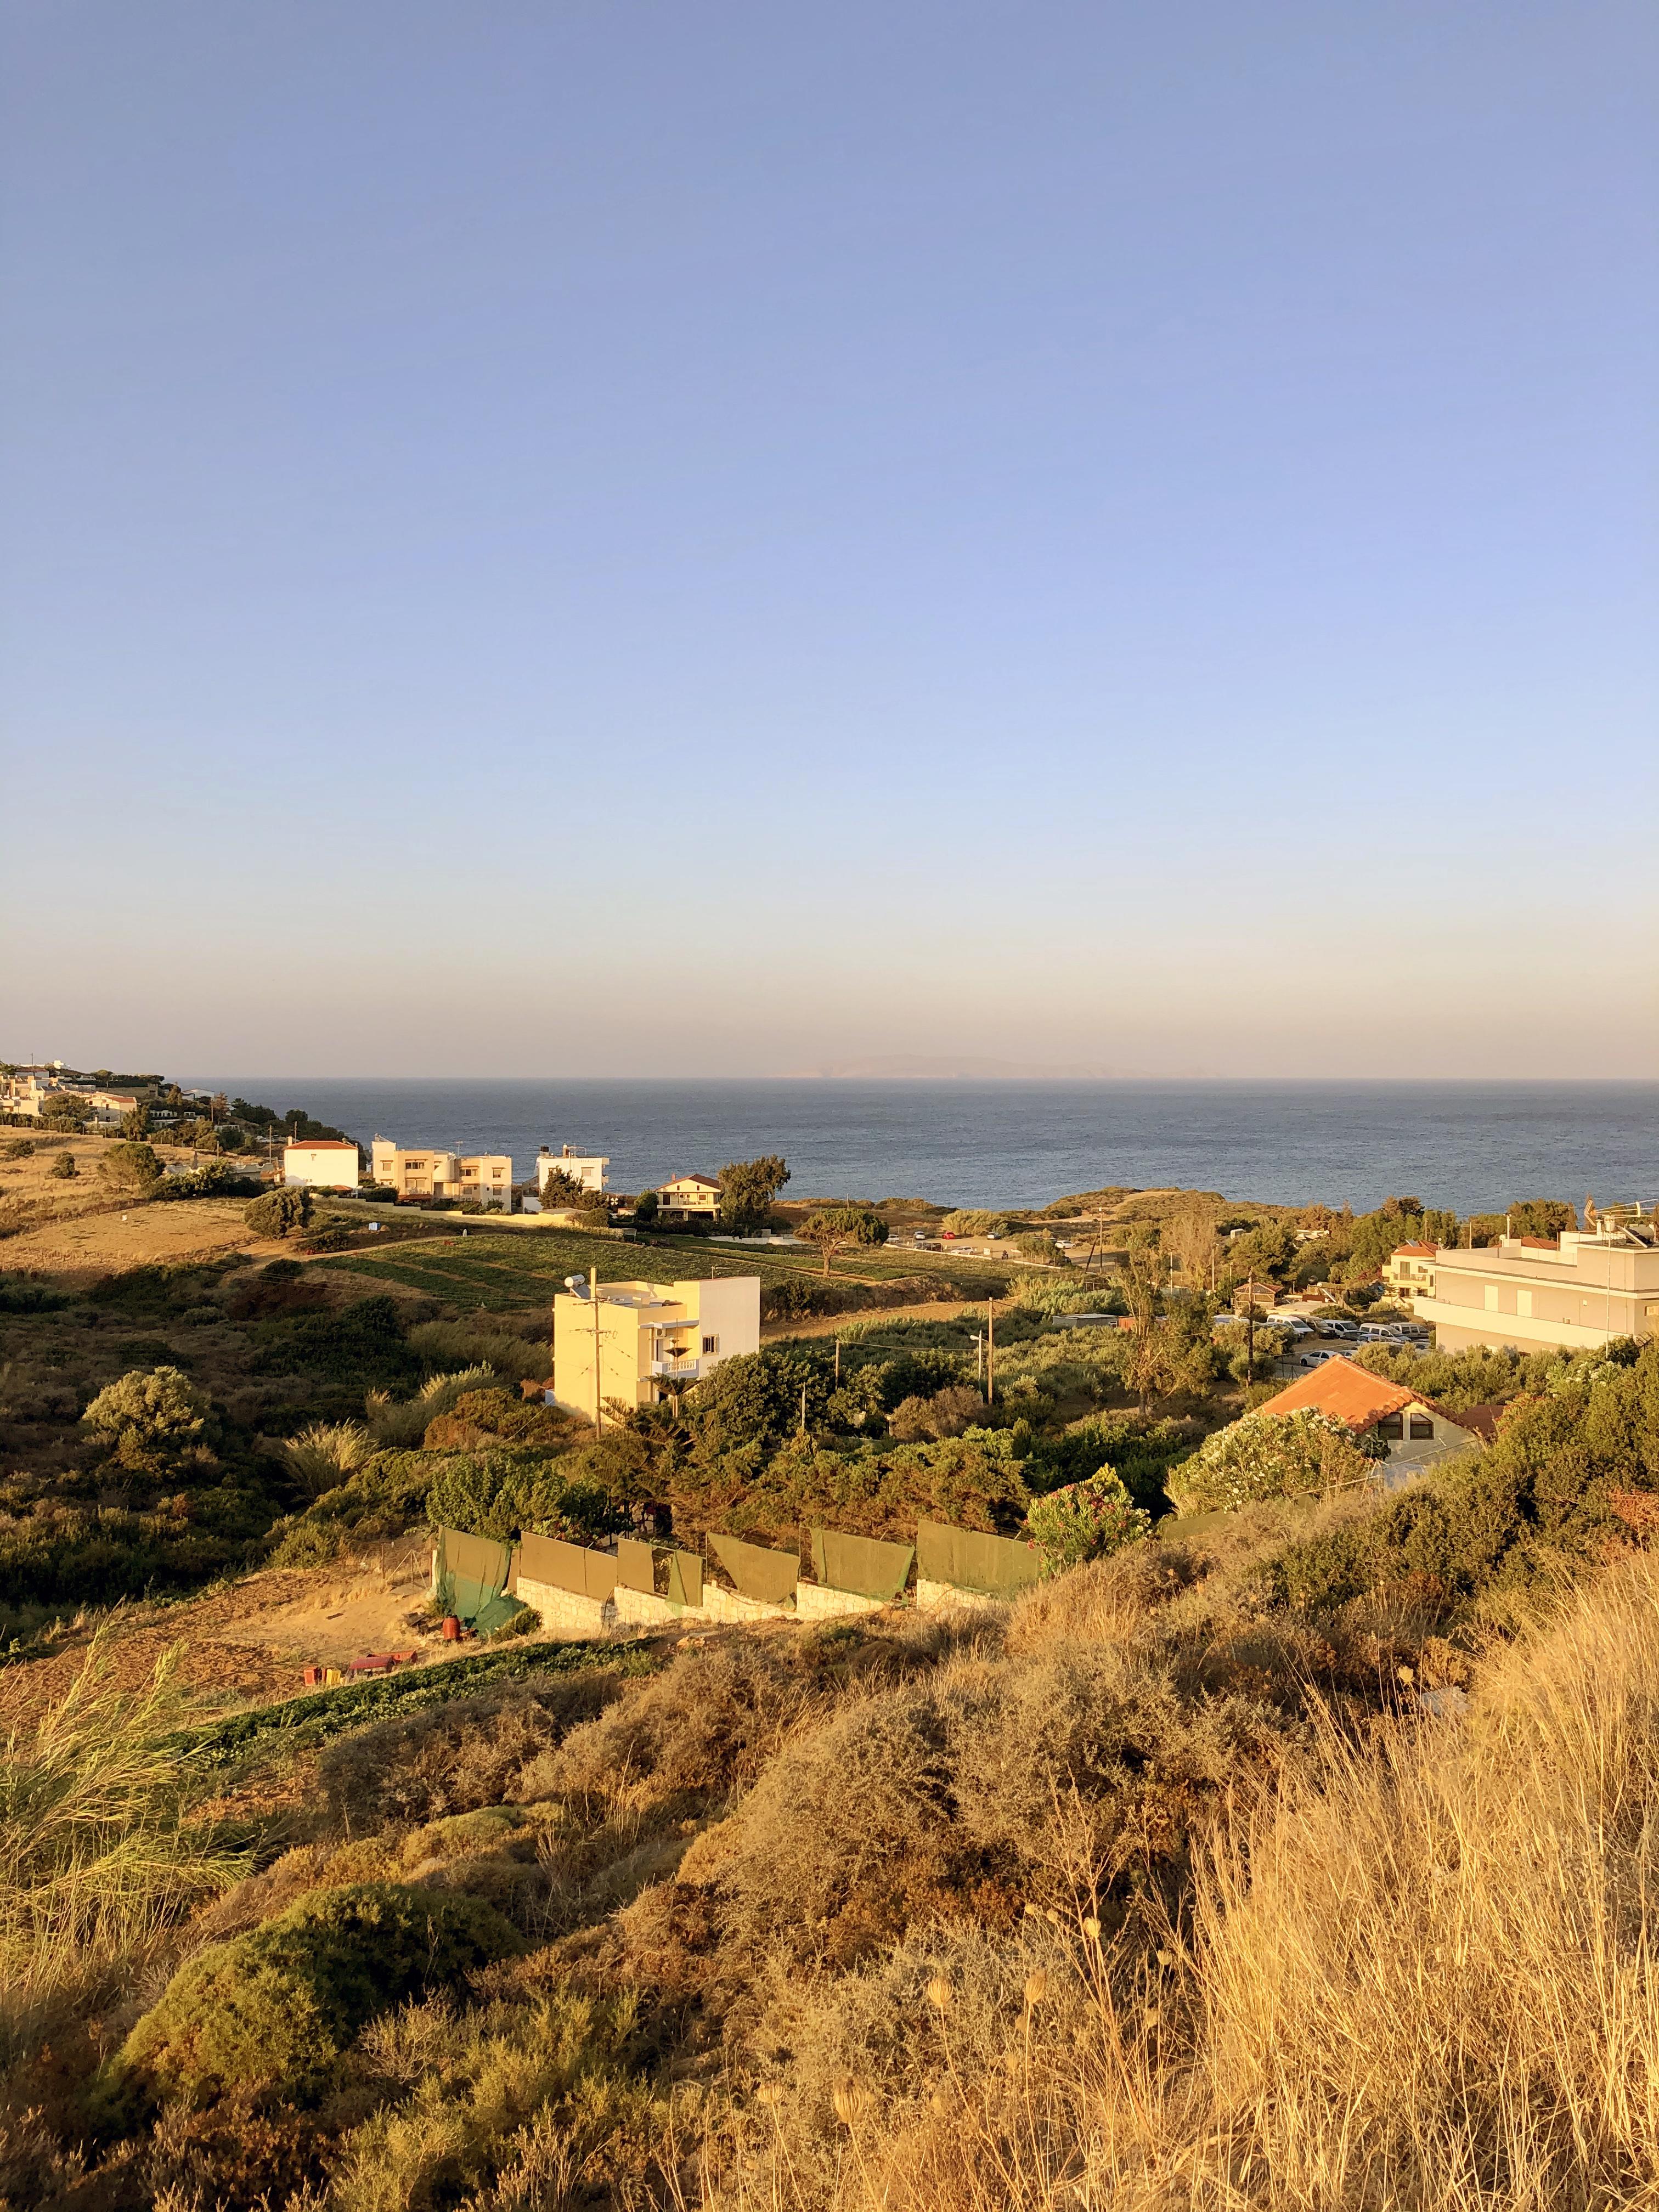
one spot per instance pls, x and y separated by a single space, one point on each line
676 1370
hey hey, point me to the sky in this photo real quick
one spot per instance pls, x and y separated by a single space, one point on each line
562 539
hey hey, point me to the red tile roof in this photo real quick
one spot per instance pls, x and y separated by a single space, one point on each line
1353 1394
1415 1248
320 1145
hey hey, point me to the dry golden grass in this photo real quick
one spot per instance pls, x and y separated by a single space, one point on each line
1418 1974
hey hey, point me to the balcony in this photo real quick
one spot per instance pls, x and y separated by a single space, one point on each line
676 1371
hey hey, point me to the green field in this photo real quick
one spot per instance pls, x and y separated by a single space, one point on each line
500 1273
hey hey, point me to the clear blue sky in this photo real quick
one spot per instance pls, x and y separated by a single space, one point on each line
572 539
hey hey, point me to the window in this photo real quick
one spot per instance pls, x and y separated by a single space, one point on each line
1490 1296
1524 1302
1390 1426
711 1345
1422 1431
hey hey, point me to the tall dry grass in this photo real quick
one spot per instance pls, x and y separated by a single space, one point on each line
1418 1974
99 1854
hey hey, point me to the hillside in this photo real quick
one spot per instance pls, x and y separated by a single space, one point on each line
1224 1868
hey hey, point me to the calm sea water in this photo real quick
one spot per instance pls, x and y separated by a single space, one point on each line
1472 1146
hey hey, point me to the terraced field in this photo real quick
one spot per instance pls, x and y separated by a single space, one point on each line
500 1274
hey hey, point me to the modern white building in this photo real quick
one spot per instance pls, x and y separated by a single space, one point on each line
324 1164
588 1168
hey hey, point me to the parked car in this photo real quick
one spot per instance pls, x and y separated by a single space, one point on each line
1294 1322
1349 1329
1316 1358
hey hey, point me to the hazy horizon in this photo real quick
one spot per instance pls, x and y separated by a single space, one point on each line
621 541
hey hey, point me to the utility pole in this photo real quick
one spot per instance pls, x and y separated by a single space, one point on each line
1250 1332
979 1361
599 1413
990 1352
803 1409
837 1363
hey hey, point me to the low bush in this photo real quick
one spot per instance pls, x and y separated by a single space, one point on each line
499 1494
281 1212
18 1296
63 1169
1084 1521
406 1420
162 1406
382 1497
274 2010
448 1344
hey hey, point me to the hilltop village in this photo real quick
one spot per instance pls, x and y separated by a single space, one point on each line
703 1681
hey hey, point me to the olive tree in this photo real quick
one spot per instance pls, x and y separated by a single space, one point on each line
834 1229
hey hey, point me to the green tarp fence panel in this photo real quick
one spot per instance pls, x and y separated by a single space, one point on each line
967 1560
767 1577
860 1564
570 1567
675 1575
472 1580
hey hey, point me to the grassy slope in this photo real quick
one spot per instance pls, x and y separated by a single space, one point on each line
500 1273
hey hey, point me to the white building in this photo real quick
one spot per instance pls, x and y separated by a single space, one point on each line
587 1168
325 1163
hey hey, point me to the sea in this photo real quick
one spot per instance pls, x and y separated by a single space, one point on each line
1472 1146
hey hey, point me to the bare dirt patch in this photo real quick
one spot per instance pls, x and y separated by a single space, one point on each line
246 1643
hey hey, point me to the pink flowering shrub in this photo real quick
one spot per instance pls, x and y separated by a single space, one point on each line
1084 1521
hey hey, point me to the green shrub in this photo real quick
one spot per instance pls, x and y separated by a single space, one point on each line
382 1497
63 1169
19 1296
20 1148
1084 1521
1299 1454
279 1214
213 1179
501 1494
164 1406
452 1344
274 2010
405 1421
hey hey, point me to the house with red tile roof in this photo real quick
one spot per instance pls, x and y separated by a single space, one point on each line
1409 1270
1417 1432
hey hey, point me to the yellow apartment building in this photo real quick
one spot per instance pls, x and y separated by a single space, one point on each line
487 1176
1575 1291
636 1341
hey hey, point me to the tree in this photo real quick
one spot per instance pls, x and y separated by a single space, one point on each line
63 1110
131 1166
1541 1216
561 1188
279 1213
136 1124
1193 1233
833 1229
748 1188
63 1169
645 1208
